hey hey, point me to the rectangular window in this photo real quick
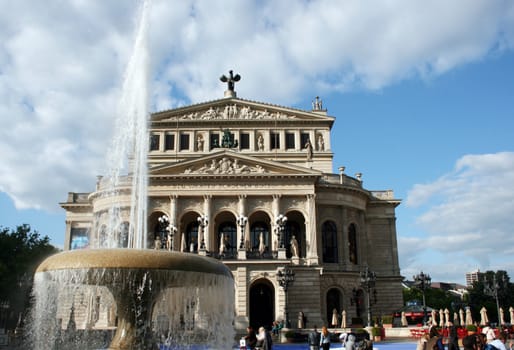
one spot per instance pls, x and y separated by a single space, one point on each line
154 142
289 141
304 137
169 142
79 238
215 141
274 140
244 140
184 142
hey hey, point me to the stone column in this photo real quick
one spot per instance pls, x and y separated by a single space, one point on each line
237 137
282 140
362 240
242 231
242 298
208 232
161 141
311 227
266 135
394 245
326 136
275 237
343 239
173 220
297 141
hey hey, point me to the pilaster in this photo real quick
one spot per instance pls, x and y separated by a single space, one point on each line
311 221
67 235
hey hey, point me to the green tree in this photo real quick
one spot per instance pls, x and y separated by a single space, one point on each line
21 251
435 298
480 296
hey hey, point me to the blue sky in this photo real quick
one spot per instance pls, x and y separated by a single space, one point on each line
422 93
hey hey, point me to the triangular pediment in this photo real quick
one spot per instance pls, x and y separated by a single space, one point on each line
235 109
229 163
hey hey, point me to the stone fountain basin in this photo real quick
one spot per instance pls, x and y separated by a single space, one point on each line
133 276
134 259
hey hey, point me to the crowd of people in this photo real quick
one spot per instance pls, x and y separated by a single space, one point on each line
485 340
257 341
317 340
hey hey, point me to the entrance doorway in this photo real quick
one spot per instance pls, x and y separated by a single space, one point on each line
262 304
334 299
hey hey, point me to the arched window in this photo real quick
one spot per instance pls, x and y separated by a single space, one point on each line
124 233
291 229
329 234
352 244
229 231
255 231
192 237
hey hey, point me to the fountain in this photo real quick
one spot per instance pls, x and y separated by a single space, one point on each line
155 299
190 291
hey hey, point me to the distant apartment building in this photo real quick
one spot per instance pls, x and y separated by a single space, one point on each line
472 277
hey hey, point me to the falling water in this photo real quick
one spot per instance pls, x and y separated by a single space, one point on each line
135 298
130 144
189 310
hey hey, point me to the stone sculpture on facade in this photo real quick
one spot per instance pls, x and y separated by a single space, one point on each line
199 144
262 245
317 104
260 143
294 247
225 165
308 147
230 80
321 143
222 245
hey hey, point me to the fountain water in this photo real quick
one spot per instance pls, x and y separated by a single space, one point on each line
152 298
179 300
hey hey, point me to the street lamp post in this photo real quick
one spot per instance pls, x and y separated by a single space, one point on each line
422 281
203 221
491 287
367 280
285 277
164 223
241 221
280 221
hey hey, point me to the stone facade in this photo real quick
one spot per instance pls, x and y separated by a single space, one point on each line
244 166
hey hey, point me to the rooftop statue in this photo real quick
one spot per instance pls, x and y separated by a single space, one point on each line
230 80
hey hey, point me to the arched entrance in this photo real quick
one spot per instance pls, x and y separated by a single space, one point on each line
262 304
334 302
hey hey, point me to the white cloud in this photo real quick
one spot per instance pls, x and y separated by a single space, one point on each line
61 65
466 214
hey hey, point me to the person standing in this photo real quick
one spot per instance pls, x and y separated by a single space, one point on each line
350 343
264 341
324 341
499 343
469 342
314 339
422 342
435 340
250 338
453 338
